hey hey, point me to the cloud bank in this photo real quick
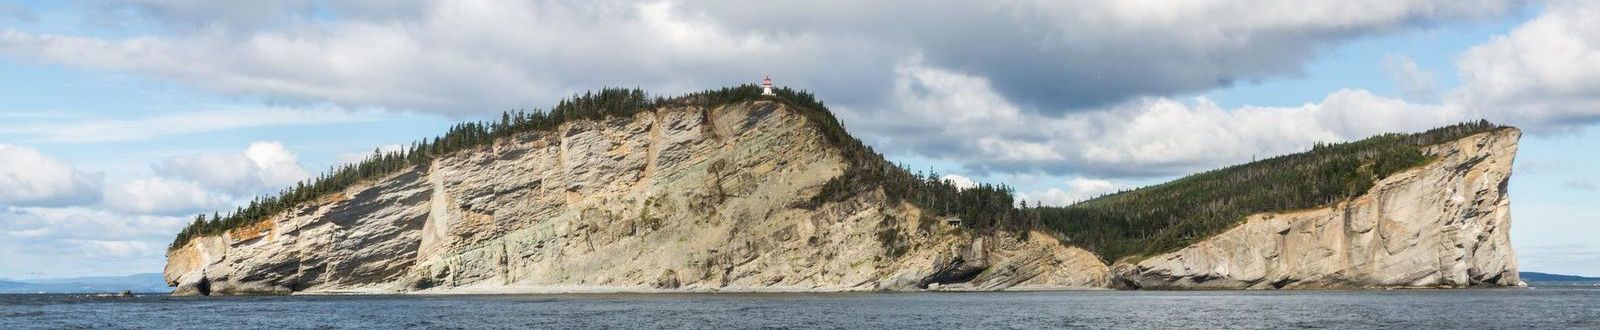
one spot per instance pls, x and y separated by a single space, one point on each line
1544 74
30 178
264 166
478 56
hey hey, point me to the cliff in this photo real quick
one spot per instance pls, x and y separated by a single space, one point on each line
675 198
1444 224
724 196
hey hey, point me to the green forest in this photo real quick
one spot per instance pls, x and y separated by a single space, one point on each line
1144 221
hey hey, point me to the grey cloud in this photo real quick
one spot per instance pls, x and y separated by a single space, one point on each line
1580 184
1048 55
465 57
462 56
197 15
192 16
945 115
1535 77
76 128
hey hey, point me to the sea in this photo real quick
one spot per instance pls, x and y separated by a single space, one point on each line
1535 308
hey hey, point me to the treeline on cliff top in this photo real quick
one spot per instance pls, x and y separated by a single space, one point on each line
1144 221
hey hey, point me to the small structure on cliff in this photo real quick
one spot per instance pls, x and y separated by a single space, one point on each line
766 86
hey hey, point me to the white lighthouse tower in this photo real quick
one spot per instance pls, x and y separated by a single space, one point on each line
766 86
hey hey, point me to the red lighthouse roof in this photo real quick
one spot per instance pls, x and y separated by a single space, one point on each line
767 81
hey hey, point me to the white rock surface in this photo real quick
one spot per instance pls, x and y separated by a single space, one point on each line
1445 224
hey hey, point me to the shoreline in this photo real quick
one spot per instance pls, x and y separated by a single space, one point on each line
610 290
582 289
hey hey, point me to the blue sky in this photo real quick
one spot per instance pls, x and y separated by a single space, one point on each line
119 115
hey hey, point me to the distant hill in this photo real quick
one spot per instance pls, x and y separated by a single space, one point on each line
1546 277
150 282
7 284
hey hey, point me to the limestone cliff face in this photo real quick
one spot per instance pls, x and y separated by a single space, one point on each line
684 198
1445 224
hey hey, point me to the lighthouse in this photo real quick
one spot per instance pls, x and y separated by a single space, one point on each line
766 86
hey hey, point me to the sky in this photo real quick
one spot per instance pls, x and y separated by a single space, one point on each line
120 120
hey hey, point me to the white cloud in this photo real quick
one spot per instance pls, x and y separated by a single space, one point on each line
28 177
1415 83
83 223
961 182
1078 189
229 172
95 130
263 167
1544 73
456 57
120 248
278 166
162 196
484 56
78 241
1541 76
945 115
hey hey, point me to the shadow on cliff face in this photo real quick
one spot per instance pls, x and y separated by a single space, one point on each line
960 267
203 286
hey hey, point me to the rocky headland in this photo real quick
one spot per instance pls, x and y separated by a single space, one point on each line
721 197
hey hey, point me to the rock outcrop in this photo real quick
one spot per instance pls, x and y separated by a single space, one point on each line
679 198
1444 224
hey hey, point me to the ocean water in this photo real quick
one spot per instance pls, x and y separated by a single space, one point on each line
1553 308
